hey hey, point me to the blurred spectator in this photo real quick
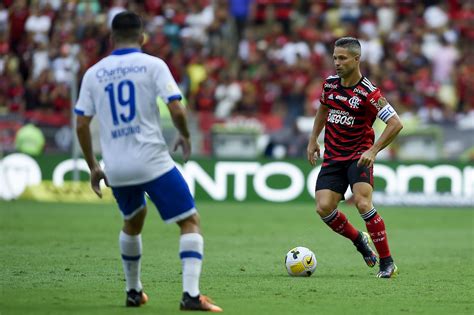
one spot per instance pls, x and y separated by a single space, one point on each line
294 49
171 29
19 13
199 18
3 104
444 61
43 87
386 17
3 18
239 9
55 4
266 11
61 99
40 59
38 25
204 99
247 105
197 73
435 17
86 7
227 94
16 94
65 65
371 47
116 7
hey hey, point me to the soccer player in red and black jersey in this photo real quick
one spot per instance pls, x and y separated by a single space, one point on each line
350 103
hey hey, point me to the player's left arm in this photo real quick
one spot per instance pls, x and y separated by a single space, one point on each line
394 125
178 116
85 140
169 91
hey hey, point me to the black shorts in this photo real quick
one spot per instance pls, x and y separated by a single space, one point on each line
339 175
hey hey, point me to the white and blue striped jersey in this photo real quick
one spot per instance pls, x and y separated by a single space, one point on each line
121 90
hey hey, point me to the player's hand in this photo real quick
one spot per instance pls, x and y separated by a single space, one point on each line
185 143
367 159
96 175
313 152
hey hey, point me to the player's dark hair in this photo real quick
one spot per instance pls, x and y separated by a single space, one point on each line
350 43
126 27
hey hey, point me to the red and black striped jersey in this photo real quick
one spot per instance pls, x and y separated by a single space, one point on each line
352 112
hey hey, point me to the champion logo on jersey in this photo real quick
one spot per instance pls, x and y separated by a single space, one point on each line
354 102
331 97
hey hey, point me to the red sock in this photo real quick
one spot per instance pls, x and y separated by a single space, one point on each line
376 228
339 223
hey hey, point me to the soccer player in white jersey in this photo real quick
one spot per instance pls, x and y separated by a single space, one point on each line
121 90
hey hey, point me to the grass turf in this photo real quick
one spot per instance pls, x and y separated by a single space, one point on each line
61 258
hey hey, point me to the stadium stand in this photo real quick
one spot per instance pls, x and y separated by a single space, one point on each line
262 59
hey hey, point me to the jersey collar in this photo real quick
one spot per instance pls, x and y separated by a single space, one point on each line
350 87
124 51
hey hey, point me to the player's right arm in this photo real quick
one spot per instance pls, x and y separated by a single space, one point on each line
178 115
85 110
313 145
169 92
85 141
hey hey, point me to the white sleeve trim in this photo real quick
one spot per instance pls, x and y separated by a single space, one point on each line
386 113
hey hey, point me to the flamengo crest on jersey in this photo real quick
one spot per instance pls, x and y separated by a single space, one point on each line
121 90
352 112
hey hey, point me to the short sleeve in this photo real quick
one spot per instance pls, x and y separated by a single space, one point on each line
373 100
379 106
85 104
166 86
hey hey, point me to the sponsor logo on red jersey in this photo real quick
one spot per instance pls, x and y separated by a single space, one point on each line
361 92
341 98
340 117
330 85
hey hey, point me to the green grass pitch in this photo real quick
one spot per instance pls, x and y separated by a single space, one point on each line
59 258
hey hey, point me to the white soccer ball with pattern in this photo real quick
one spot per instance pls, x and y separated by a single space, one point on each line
300 262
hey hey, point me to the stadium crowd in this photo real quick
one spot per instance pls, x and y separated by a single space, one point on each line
257 58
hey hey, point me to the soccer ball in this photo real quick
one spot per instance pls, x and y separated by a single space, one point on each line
300 262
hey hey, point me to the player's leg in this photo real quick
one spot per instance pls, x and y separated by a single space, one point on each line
172 197
330 188
376 228
191 250
134 225
361 182
362 242
191 245
132 205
